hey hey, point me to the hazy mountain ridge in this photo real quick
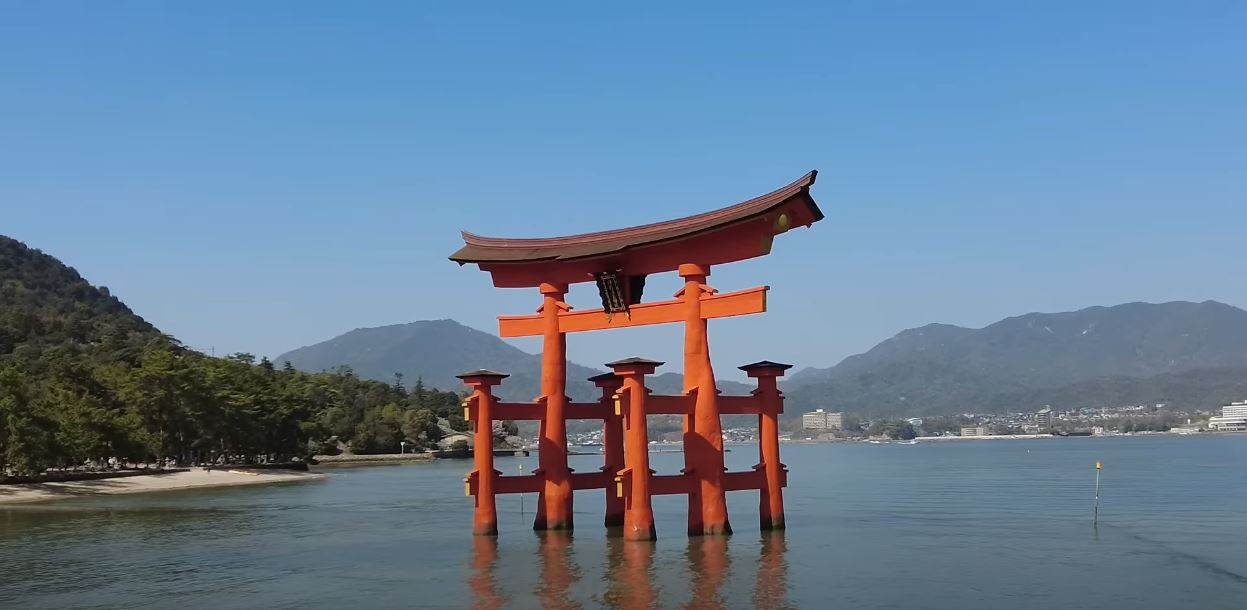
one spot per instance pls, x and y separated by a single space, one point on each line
1188 354
1097 355
437 350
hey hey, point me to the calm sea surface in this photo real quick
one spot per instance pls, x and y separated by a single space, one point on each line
986 524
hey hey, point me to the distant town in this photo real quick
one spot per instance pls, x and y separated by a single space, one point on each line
824 425
821 424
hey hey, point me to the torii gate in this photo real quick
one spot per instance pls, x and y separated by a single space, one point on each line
619 261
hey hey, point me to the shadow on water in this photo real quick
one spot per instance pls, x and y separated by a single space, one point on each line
1176 555
634 574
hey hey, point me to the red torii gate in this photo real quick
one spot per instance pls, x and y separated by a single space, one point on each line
618 261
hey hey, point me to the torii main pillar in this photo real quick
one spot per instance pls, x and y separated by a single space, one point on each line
554 505
703 432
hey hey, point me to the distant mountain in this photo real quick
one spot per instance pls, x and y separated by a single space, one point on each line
1184 353
437 350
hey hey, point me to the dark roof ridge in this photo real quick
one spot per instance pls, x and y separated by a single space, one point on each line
478 247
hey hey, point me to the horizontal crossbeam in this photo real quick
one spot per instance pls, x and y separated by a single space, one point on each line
517 411
655 404
668 405
742 302
660 484
740 405
670 484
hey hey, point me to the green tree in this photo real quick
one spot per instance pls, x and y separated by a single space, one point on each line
893 429
161 393
83 427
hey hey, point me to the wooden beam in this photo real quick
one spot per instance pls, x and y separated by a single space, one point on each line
593 480
660 484
739 481
528 483
589 410
537 410
739 405
671 484
656 404
519 411
742 302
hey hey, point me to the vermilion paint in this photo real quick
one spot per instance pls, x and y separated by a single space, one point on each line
689 246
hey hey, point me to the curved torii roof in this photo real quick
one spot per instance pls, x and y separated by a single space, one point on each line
729 234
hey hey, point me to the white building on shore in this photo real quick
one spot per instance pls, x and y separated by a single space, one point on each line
1233 418
822 420
1043 418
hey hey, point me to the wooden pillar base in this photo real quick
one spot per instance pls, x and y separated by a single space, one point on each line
772 523
556 526
715 529
544 522
640 533
614 509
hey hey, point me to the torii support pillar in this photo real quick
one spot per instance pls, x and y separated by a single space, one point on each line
771 496
480 406
633 482
612 443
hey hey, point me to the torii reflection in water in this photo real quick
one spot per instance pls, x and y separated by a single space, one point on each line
632 580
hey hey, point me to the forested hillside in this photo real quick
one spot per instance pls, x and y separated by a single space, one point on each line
84 378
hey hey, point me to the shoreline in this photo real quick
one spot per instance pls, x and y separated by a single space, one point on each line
35 493
1005 437
995 437
375 458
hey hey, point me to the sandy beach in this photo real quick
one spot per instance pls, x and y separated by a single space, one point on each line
392 458
192 479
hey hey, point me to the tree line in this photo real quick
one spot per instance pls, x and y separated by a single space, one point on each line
85 379
171 403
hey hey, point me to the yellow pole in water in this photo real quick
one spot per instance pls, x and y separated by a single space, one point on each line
1096 515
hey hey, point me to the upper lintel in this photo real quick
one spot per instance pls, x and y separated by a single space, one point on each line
730 234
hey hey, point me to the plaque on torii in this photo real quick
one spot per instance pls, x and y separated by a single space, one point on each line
618 262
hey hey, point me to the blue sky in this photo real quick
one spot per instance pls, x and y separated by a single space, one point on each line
261 176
